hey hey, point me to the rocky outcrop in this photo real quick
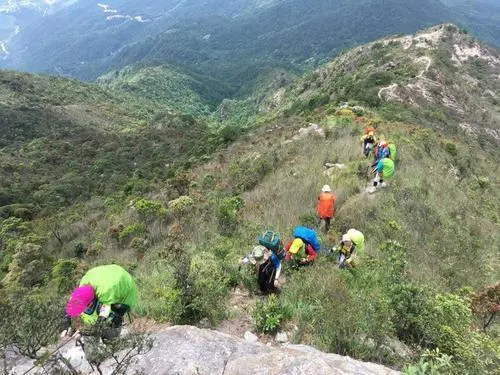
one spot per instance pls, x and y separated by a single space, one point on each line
187 350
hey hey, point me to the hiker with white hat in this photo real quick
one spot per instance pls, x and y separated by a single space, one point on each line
350 247
326 207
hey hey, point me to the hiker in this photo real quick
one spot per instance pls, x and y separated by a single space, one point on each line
351 245
383 170
105 294
368 141
326 206
268 268
381 150
303 249
273 255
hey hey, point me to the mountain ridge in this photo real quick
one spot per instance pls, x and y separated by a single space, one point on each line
94 175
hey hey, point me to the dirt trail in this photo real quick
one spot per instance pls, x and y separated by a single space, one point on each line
391 87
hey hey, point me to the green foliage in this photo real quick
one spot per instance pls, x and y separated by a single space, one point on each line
160 297
22 211
132 230
149 209
451 148
226 211
432 362
270 315
64 274
247 172
180 205
29 267
206 288
31 319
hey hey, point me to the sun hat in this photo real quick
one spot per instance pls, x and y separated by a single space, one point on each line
296 245
326 189
257 254
79 300
346 238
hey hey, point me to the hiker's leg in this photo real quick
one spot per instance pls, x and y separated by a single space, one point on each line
327 224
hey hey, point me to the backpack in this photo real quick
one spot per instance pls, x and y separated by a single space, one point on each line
308 235
271 240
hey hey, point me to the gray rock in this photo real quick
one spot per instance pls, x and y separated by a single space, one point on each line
250 337
186 350
281 337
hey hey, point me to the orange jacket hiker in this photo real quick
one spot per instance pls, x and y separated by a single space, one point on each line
326 203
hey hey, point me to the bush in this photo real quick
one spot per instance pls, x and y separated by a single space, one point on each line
486 303
269 315
204 293
64 274
149 209
227 214
160 297
30 320
29 266
431 362
131 230
180 205
248 172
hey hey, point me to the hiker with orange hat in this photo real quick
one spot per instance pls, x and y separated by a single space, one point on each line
104 296
326 206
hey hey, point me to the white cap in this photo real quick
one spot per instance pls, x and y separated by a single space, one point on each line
346 238
326 189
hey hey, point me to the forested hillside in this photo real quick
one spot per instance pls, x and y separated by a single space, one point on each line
94 175
233 42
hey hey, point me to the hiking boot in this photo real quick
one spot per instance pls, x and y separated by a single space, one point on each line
383 184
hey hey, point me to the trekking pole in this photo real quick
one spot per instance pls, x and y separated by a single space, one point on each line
51 354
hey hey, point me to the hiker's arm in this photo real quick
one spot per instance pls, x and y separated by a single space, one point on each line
311 254
278 272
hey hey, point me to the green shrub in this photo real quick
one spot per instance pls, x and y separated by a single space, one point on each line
160 297
227 210
269 315
205 290
30 320
180 205
432 362
451 148
64 274
29 266
131 230
79 250
149 209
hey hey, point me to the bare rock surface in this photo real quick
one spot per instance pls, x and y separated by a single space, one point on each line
187 350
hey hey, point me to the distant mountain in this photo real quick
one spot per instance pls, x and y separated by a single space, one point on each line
440 77
232 42
481 17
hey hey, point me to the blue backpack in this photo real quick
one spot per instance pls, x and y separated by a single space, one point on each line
308 235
